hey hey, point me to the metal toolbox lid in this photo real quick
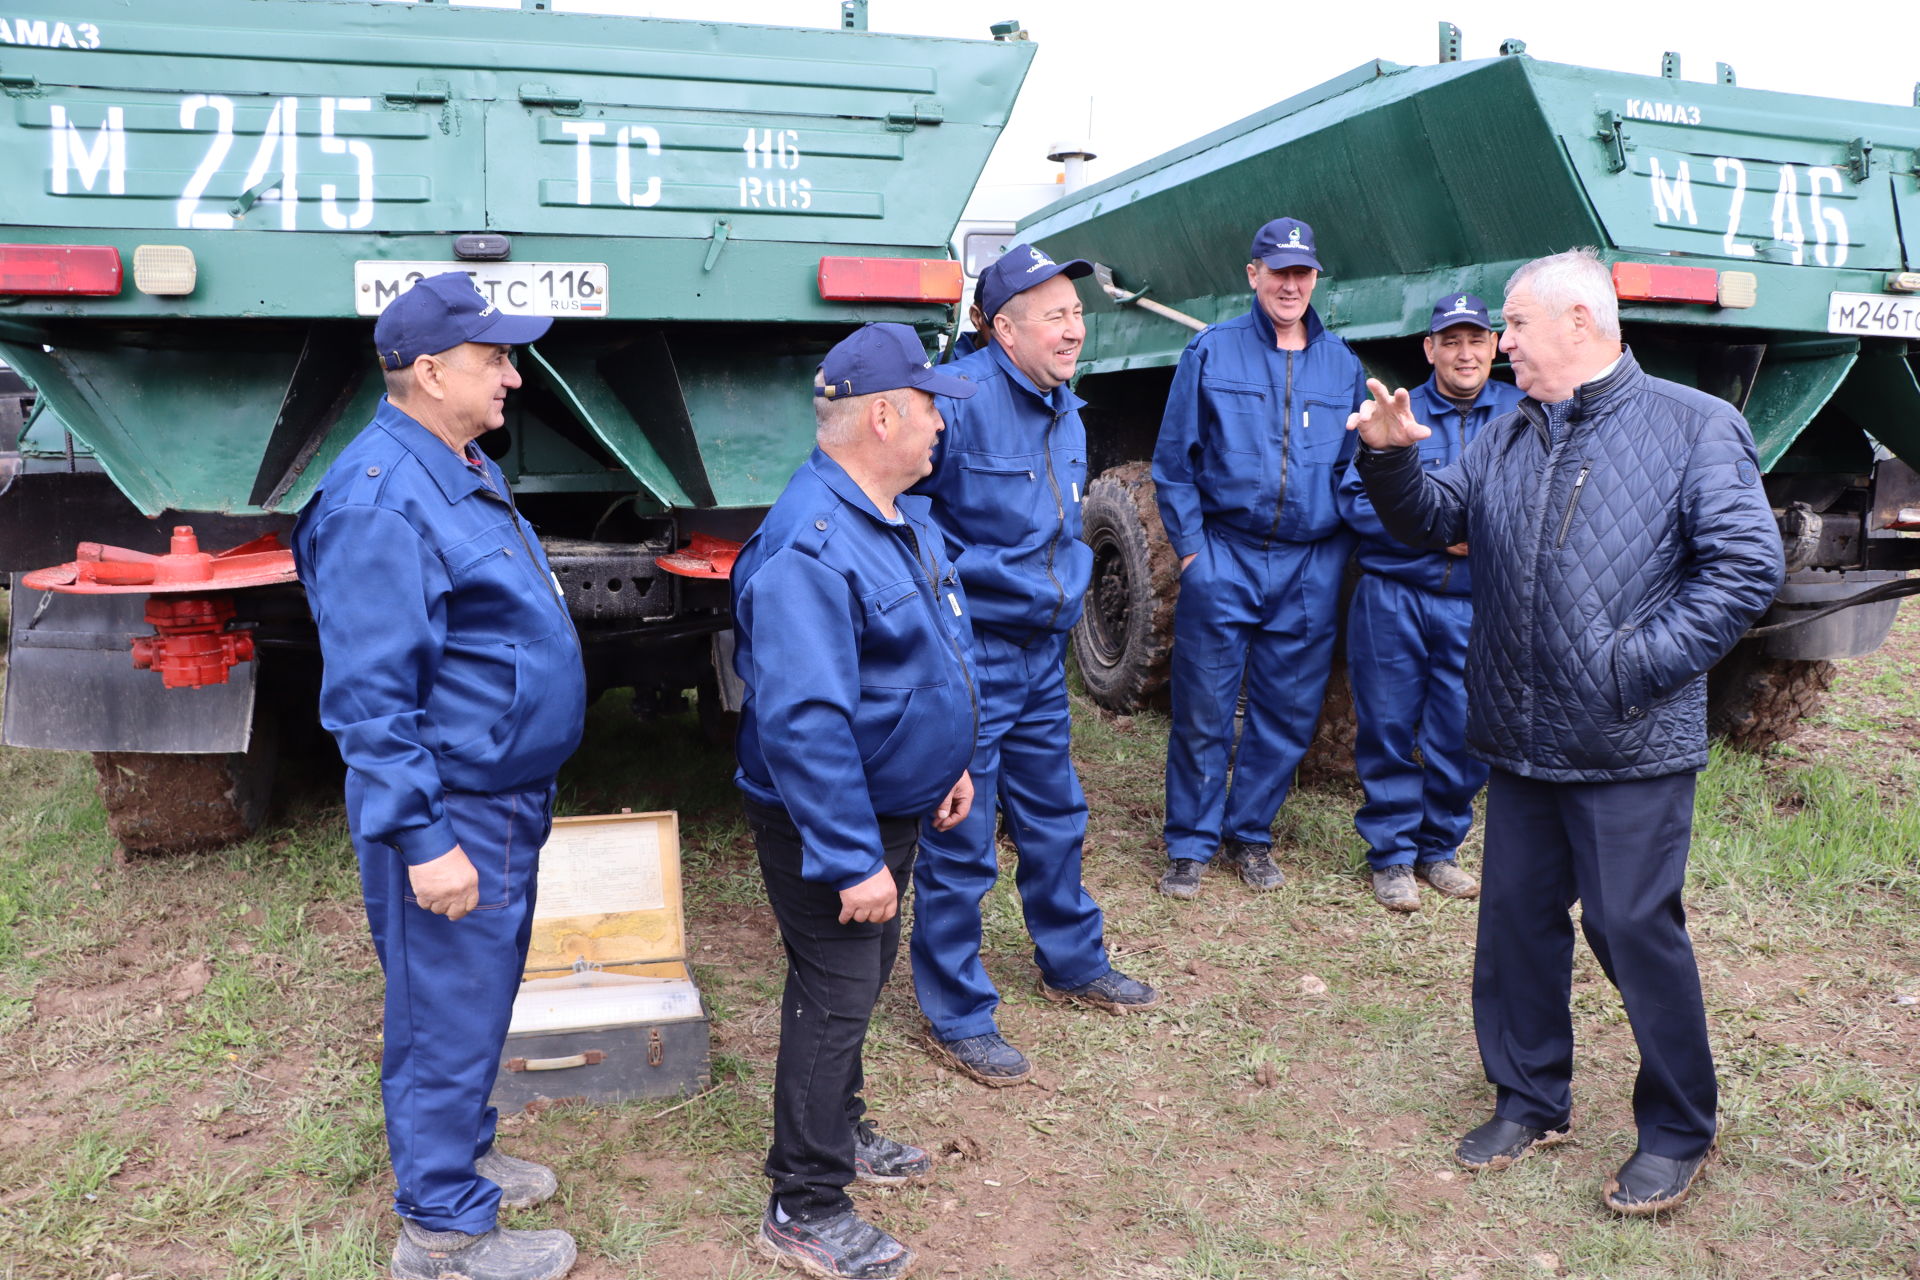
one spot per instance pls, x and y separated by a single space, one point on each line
609 894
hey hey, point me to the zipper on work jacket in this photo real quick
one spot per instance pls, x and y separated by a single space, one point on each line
551 585
1060 511
1286 453
960 659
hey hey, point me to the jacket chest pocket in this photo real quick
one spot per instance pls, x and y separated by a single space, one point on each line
996 485
1322 429
499 597
898 649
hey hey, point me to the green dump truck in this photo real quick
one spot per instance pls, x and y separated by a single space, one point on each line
1765 248
209 201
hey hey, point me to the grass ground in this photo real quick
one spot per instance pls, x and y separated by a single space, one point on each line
188 1050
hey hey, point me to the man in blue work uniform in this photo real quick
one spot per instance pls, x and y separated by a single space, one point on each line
1006 485
1250 455
454 686
1622 542
859 718
1407 639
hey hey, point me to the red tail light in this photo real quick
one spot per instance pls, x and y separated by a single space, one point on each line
90 269
1647 282
890 280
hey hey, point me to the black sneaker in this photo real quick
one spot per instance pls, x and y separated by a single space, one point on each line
1255 863
1182 878
842 1248
1113 991
1498 1143
877 1158
522 1183
988 1059
1648 1184
499 1254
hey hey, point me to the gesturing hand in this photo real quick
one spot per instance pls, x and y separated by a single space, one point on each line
448 885
872 901
1386 421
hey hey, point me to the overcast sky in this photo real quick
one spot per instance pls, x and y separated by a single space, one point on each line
1153 75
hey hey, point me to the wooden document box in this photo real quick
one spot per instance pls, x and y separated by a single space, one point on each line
607 1008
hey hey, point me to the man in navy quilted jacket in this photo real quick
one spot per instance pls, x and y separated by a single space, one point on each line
1622 543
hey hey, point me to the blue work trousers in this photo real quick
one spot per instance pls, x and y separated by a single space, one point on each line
1264 618
1021 768
450 989
1406 662
1620 850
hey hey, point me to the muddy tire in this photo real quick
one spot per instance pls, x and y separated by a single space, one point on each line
1754 700
183 803
1329 758
1124 637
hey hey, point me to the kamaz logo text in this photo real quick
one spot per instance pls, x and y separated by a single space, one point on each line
49 35
1665 112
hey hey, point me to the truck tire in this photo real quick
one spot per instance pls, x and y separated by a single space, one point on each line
159 803
1754 700
1125 634
1329 758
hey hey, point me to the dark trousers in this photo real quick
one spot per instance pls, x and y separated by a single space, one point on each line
834 975
450 990
1620 849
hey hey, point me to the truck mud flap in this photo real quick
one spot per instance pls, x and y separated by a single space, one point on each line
72 685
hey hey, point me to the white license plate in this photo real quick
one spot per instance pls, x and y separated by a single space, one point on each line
1876 314
522 288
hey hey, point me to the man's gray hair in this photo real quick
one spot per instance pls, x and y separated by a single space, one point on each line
836 423
1576 277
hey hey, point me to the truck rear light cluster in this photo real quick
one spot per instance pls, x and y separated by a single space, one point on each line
90 270
1659 282
165 270
890 280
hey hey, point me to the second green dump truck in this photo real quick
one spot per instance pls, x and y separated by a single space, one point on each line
1765 247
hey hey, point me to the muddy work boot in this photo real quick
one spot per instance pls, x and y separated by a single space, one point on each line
842 1248
987 1059
1447 879
499 1254
1394 889
1499 1143
1182 878
522 1183
879 1159
1112 991
1254 862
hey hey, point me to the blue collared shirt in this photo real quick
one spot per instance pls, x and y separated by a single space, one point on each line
853 640
1382 553
1008 477
1254 440
451 663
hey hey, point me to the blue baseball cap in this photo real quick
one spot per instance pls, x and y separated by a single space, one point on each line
1285 242
441 312
1460 308
1018 270
884 357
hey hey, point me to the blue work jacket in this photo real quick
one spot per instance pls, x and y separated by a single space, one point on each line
451 663
1382 553
1614 563
1008 477
856 651
1254 440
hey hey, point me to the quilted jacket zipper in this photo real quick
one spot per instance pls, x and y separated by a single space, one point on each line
1566 523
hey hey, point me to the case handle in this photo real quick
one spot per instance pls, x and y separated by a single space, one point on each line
591 1058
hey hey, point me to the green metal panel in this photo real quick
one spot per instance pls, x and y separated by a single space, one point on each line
1430 180
708 166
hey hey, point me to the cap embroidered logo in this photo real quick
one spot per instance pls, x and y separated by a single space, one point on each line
1040 260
